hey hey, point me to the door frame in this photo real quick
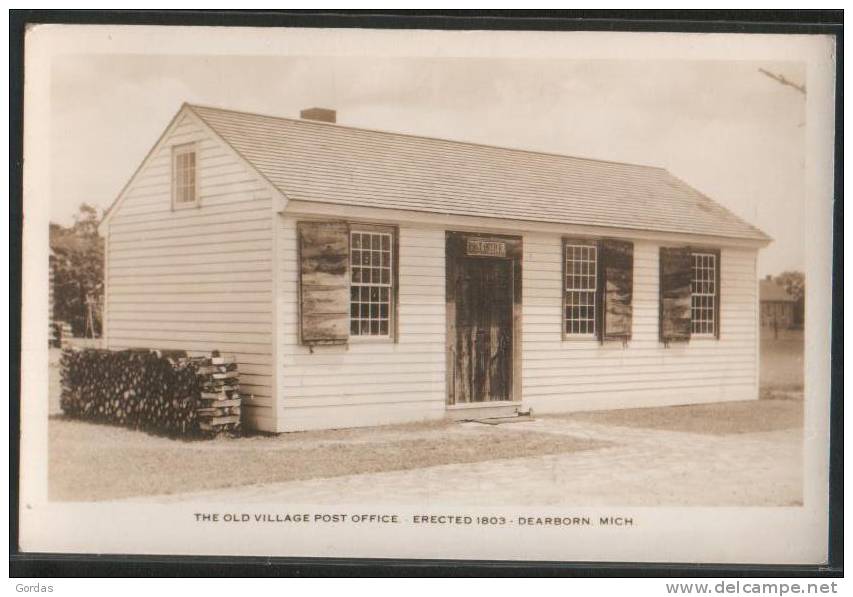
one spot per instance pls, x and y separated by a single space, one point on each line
456 248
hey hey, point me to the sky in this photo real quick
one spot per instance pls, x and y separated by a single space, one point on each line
723 127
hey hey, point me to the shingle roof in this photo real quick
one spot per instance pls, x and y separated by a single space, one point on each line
769 290
328 163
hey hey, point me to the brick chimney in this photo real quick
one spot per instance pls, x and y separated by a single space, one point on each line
319 114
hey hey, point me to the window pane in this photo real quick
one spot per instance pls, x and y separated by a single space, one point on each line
581 267
703 298
371 281
184 175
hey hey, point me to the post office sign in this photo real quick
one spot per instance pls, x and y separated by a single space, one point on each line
485 248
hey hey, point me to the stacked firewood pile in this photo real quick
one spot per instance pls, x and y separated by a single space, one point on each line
219 381
163 391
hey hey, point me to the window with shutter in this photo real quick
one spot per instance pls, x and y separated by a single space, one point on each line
580 288
324 289
372 266
598 277
617 273
676 272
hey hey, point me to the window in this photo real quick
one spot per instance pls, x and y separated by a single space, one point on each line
703 294
581 282
371 285
184 175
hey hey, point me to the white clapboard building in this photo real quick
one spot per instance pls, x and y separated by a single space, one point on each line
363 277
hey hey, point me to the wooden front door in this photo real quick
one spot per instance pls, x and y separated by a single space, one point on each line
481 333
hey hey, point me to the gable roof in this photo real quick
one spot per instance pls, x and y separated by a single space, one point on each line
329 163
770 290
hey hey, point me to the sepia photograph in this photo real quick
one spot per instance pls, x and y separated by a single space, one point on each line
483 294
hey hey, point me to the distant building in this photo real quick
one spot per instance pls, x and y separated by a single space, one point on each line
777 304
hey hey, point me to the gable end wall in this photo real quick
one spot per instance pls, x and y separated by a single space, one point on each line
196 279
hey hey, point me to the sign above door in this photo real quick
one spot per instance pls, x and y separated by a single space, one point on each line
485 248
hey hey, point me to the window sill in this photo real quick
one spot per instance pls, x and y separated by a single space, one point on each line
484 404
371 339
180 206
580 338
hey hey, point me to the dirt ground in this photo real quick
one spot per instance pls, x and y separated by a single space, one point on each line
636 467
754 459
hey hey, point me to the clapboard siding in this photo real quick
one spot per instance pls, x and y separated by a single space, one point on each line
366 382
197 279
561 375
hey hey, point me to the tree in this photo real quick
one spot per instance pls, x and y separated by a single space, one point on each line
78 261
795 283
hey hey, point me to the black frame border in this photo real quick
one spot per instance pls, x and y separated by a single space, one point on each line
828 22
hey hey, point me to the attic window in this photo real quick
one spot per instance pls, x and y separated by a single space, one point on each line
184 187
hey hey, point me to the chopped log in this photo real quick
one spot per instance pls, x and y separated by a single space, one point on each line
216 403
226 375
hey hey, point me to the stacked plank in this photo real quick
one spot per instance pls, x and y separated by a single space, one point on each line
160 391
61 334
219 383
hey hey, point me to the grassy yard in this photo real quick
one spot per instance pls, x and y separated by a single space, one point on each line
781 360
718 418
100 462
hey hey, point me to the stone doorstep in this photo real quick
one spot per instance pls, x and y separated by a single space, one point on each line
502 420
518 417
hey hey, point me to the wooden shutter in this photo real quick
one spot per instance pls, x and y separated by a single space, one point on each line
324 282
676 271
616 266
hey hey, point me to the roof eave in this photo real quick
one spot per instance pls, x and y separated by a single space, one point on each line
435 218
